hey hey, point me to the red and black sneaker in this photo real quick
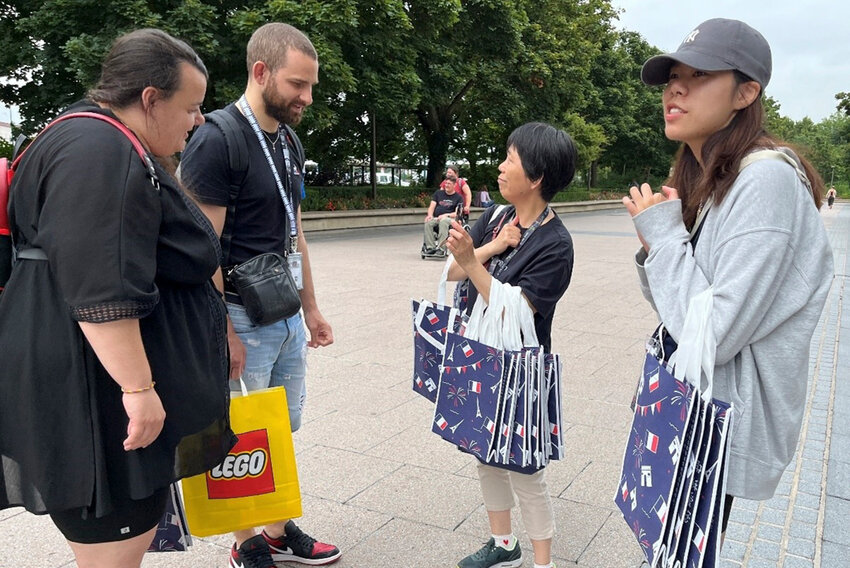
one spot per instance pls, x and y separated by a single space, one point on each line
298 546
254 553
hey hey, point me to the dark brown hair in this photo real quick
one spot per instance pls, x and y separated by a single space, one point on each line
141 59
722 154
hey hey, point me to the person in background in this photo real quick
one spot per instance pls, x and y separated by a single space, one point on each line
483 197
112 336
282 68
461 186
525 245
752 232
830 197
442 210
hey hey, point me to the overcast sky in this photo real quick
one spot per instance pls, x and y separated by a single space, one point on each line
810 41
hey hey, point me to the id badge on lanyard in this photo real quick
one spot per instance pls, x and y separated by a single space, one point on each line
294 260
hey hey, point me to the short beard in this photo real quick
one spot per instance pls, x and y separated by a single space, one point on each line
278 109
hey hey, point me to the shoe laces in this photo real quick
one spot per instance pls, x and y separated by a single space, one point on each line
302 540
485 550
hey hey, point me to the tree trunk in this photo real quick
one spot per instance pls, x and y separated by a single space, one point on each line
438 150
594 173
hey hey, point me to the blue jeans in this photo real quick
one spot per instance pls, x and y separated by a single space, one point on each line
275 355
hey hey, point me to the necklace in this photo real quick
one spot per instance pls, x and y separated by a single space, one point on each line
269 138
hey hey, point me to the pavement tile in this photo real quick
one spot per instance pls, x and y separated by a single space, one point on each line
797 562
766 550
596 484
417 494
838 479
834 555
805 515
576 525
320 474
738 531
839 447
420 447
614 546
801 547
19 532
734 550
770 533
835 521
402 542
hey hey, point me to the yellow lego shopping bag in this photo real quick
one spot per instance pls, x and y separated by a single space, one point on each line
257 483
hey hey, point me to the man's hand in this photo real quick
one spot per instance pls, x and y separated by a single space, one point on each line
237 352
321 334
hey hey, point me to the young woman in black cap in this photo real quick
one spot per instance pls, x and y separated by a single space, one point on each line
745 225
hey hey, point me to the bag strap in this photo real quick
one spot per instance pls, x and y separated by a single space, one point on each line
237 160
777 155
137 145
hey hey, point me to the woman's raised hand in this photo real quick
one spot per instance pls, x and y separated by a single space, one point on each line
643 197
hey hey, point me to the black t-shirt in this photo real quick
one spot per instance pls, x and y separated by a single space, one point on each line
542 266
446 203
261 224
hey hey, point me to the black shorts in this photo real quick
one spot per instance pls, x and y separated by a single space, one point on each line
129 518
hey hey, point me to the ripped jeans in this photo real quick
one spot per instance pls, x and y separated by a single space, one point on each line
275 355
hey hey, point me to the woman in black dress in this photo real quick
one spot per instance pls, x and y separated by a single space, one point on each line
114 374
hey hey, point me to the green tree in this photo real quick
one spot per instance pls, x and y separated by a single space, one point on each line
628 111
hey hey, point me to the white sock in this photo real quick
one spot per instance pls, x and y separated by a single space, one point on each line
550 565
506 541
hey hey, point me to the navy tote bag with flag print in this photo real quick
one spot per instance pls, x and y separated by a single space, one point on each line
674 503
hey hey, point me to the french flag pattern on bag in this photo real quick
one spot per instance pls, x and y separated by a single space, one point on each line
651 463
470 413
427 357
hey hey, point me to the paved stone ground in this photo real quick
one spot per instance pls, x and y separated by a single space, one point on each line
389 493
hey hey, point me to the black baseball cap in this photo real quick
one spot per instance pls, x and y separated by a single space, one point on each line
716 45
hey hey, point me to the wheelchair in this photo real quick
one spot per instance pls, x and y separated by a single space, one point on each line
441 253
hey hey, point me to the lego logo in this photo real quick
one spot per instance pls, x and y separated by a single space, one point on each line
240 466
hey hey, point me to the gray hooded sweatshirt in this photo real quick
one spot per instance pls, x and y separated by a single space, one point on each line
766 252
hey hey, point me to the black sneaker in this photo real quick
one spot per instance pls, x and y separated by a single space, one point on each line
298 546
254 553
492 556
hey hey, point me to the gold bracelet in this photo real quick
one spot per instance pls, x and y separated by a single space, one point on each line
136 391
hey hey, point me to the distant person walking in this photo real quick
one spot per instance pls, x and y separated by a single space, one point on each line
830 197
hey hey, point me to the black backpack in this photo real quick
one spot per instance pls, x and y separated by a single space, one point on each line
237 156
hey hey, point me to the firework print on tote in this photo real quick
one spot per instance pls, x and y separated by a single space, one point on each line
652 461
430 326
469 392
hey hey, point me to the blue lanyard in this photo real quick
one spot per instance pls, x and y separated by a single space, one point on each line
252 120
498 265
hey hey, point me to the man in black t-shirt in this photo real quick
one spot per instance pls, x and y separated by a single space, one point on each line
441 211
282 69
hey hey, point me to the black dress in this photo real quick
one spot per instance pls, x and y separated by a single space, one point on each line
117 247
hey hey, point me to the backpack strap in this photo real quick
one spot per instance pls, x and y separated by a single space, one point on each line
237 159
296 143
788 157
137 145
